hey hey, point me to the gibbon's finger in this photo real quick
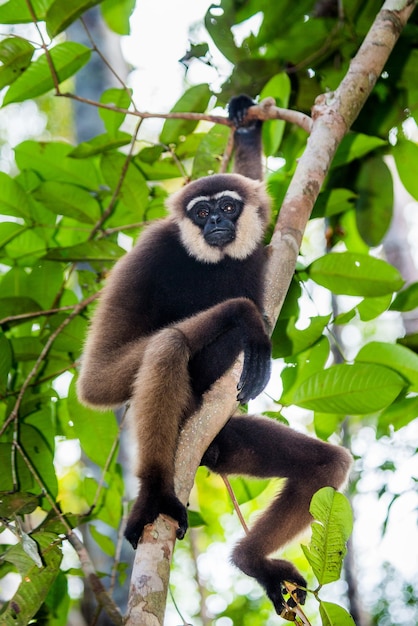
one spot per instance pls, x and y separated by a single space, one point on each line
255 373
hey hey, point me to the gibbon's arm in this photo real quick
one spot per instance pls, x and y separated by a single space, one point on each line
247 138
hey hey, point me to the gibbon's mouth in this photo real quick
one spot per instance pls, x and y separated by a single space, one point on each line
219 237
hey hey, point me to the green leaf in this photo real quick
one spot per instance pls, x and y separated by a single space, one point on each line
356 389
91 427
368 309
334 615
13 199
11 306
397 415
65 199
394 356
278 87
41 458
301 367
406 153
86 251
116 14
354 146
120 98
17 503
8 231
407 299
67 59
17 11
218 23
62 13
246 489
355 274
374 206
5 363
195 99
106 543
331 528
209 152
26 244
332 202
52 162
287 339
134 190
36 582
15 55
100 143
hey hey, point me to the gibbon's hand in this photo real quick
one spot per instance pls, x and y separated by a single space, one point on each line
256 370
147 507
237 110
276 572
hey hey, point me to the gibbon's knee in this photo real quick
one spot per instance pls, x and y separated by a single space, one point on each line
164 369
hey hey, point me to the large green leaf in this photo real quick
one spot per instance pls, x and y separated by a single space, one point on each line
287 339
407 299
15 55
96 430
356 389
67 59
112 120
5 363
397 415
374 206
331 528
52 161
354 146
195 99
13 199
355 274
209 151
406 154
117 13
278 88
134 190
36 581
397 357
62 13
65 199
87 251
334 615
17 11
101 143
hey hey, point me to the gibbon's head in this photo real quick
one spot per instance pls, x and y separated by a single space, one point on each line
221 215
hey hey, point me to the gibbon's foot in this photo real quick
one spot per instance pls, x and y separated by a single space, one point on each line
147 508
275 575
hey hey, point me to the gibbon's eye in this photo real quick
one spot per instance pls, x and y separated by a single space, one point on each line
202 212
229 208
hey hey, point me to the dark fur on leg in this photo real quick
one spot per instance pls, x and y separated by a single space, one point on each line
261 447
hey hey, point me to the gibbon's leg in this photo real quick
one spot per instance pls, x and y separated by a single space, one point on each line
261 447
164 395
161 399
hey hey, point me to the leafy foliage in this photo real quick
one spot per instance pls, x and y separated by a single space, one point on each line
67 210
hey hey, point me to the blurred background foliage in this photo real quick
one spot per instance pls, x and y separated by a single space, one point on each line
77 189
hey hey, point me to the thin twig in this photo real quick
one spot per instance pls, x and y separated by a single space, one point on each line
33 314
235 503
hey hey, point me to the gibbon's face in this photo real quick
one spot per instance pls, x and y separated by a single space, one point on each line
223 215
216 216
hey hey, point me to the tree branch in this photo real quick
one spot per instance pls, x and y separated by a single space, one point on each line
333 114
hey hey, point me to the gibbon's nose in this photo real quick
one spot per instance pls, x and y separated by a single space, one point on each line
214 219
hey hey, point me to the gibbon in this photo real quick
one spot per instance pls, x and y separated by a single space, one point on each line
176 312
